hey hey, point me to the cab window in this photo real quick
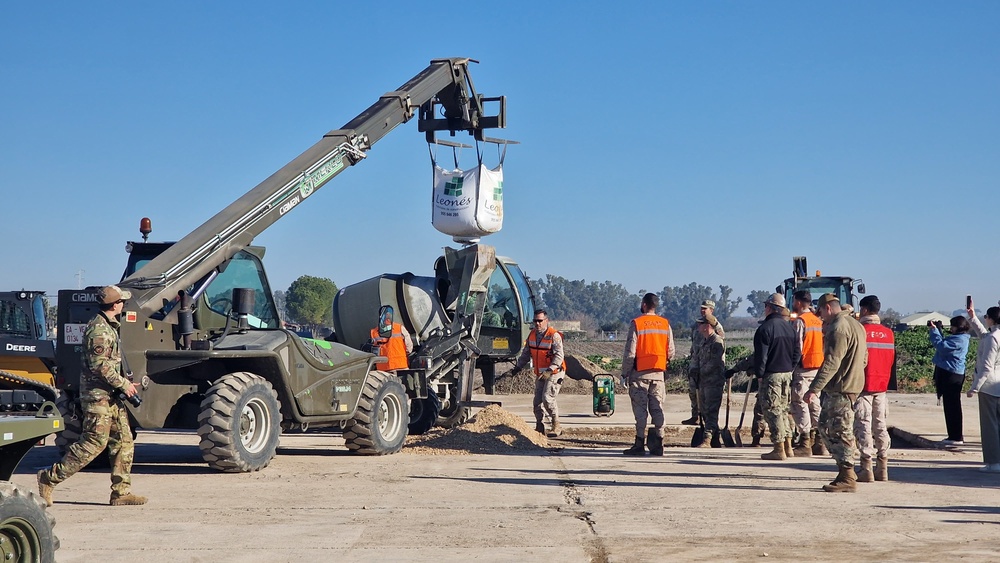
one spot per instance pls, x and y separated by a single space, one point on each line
246 271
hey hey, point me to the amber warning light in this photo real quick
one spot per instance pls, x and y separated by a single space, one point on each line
145 227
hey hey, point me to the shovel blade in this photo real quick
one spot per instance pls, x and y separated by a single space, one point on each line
698 438
727 438
738 439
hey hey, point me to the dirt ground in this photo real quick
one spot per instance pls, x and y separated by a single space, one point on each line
575 498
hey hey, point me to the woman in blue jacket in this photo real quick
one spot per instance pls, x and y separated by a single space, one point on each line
949 373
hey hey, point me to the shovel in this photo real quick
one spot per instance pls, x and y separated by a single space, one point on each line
727 436
698 438
746 399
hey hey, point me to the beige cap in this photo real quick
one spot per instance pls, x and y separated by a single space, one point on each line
776 299
826 298
112 294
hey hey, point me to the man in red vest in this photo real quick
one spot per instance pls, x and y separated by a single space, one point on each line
649 346
545 350
870 427
809 329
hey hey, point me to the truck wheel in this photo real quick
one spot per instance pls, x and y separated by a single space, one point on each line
424 413
240 423
25 526
379 424
451 414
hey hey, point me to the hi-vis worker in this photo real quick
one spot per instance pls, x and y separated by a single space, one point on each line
396 347
809 329
649 346
545 350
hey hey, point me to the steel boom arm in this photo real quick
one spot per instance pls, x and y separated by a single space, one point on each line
445 82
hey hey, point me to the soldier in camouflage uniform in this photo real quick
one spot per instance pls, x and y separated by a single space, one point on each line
708 366
105 418
841 378
707 309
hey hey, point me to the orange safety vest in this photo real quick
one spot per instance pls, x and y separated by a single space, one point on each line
393 348
812 341
881 353
652 338
541 350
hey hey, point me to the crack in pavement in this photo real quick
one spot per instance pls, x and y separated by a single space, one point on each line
595 544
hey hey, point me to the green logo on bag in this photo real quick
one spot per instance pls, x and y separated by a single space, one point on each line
498 192
453 187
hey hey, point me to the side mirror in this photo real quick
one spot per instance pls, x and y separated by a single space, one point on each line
861 288
777 289
385 321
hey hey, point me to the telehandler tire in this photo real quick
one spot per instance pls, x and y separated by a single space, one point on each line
380 423
451 414
424 413
25 526
240 423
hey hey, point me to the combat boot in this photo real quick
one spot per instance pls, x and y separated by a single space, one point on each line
45 488
539 427
556 429
845 482
777 454
881 468
804 449
637 449
693 421
789 452
654 442
865 474
128 499
716 441
819 449
755 443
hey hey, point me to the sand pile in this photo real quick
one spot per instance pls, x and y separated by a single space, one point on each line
492 430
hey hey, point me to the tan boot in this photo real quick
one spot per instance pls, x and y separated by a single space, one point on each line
881 469
128 499
865 474
845 482
789 451
804 448
777 454
556 429
819 449
45 487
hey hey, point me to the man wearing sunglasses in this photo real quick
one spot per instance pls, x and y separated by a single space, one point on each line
545 350
105 417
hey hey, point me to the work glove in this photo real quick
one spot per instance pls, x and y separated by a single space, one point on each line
545 374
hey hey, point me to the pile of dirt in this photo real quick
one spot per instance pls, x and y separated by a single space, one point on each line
523 382
492 431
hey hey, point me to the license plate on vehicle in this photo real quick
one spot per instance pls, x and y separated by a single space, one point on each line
501 344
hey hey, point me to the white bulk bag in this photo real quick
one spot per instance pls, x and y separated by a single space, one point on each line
468 204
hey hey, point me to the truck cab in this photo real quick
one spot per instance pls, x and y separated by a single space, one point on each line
845 288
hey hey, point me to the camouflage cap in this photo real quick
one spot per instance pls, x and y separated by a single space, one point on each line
708 303
112 294
826 298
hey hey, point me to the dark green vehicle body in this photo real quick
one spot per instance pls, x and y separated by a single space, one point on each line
201 332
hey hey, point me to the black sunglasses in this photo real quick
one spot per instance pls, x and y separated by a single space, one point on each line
539 320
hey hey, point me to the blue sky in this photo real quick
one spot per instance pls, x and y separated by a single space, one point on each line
661 143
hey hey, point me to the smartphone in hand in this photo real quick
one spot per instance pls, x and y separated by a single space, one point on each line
968 301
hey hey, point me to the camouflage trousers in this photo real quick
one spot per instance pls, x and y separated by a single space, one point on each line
711 390
775 392
805 415
836 426
693 386
870 428
544 402
647 397
105 425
